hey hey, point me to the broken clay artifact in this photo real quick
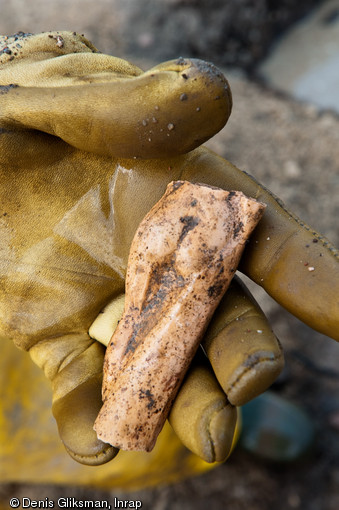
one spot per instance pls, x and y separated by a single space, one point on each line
182 259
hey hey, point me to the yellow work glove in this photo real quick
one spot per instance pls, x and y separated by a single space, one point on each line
88 143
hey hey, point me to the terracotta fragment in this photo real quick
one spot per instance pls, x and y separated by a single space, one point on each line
182 259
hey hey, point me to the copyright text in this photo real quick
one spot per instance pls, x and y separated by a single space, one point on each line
73 503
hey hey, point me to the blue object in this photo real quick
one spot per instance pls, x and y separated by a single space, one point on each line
276 429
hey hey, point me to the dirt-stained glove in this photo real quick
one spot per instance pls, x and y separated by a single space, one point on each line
88 143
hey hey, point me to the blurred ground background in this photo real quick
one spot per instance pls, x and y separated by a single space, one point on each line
281 58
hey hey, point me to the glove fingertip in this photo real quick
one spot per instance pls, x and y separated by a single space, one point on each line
75 414
222 434
253 377
104 454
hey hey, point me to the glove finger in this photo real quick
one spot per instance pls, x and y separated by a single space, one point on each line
74 365
245 355
94 107
296 265
201 415
75 414
29 59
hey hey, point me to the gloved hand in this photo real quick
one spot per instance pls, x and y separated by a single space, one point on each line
88 143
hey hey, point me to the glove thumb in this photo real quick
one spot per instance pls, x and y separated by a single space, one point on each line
74 365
